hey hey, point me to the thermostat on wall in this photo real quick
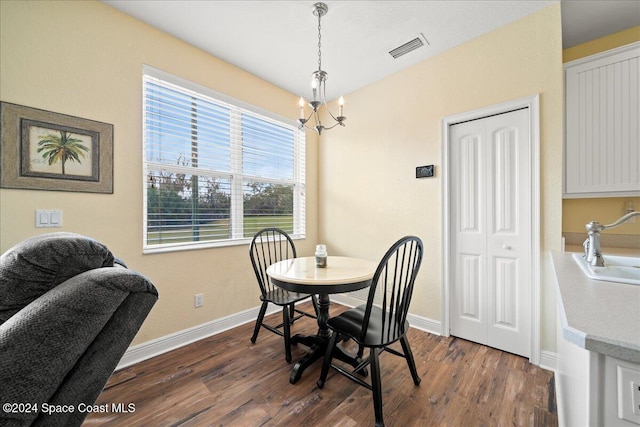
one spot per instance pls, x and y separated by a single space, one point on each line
425 171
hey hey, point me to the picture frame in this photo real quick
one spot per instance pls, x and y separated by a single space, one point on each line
43 150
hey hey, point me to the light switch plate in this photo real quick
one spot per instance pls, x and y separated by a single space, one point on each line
46 218
55 218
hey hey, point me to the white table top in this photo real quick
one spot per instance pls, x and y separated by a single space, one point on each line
339 271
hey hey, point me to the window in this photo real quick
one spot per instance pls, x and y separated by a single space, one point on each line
216 170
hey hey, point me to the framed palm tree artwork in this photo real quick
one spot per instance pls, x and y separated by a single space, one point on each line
43 150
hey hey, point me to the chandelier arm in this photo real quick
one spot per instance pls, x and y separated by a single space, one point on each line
335 124
303 122
326 107
316 116
306 127
319 125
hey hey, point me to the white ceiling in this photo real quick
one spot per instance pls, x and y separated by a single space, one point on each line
277 40
584 20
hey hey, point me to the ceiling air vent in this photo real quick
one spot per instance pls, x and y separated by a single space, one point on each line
408 47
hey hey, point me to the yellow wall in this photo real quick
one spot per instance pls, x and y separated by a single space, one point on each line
85 59
367 187
577 212
630 35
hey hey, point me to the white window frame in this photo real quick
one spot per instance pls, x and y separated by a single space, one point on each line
237 175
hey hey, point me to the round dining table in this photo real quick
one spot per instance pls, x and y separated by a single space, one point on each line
342 274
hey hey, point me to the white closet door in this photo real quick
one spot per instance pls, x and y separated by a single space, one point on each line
491 225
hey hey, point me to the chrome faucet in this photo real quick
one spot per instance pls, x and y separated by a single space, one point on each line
592 251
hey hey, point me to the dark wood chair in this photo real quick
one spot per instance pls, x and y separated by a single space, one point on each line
269 246
381 321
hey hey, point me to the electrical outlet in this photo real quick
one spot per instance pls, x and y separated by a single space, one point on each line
198 300
629 394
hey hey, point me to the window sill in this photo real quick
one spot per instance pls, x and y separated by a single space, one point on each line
178 247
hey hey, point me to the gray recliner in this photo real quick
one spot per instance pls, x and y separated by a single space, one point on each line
67 315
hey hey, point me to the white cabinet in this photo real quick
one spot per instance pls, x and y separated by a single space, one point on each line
598 349
602 142
593 389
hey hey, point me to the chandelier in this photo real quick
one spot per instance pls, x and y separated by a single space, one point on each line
318 83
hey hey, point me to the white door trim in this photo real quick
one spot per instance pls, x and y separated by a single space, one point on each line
532 103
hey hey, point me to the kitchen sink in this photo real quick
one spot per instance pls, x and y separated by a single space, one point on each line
621 269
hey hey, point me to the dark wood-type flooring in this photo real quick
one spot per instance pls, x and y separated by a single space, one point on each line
224 380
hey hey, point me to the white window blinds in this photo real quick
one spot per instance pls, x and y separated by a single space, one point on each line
215 170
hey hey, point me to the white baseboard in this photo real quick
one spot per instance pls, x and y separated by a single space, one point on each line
548 360
418 322
149 349
425 324
348 300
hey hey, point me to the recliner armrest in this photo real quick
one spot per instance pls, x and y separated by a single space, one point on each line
41 344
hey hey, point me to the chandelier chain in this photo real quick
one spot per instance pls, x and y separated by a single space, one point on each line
319 43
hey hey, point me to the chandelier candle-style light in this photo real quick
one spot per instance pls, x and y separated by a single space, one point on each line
318 79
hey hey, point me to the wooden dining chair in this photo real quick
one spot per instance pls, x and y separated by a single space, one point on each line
269 246
381 321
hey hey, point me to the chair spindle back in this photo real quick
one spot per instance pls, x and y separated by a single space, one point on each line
392 288
269 246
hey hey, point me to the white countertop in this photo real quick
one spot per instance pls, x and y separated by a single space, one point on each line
600 316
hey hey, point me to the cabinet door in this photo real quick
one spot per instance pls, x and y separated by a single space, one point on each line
602 153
